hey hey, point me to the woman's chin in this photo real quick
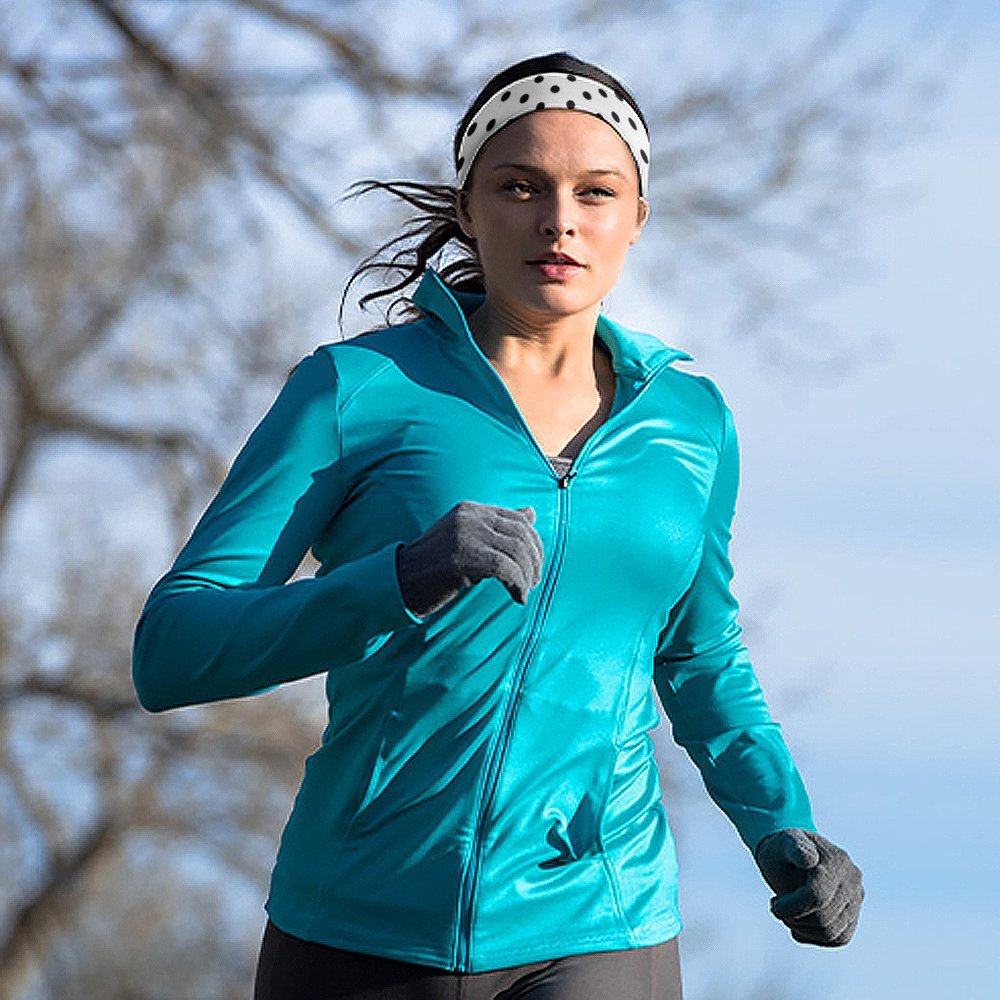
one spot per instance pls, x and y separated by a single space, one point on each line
557 298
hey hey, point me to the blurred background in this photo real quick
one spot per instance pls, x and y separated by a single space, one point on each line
824 242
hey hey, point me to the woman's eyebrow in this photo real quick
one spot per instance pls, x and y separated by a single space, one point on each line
538 170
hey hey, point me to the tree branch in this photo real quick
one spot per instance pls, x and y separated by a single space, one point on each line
68 870
103 706
226 121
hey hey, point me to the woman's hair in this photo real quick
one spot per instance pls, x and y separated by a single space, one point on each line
434 227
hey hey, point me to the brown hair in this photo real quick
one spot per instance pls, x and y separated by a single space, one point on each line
434 229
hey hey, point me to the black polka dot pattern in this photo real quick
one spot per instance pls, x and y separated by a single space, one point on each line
535 94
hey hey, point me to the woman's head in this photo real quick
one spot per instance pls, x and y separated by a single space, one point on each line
554 180
577 188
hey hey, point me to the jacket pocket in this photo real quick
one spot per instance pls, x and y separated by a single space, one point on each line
370 788
575 837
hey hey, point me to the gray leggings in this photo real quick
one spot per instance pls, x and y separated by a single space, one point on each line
292 969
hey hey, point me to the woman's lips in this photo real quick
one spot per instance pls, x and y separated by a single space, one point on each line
555 270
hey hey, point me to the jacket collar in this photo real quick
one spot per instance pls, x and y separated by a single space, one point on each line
633 353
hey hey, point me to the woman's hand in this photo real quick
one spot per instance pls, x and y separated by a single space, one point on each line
469 543
817 885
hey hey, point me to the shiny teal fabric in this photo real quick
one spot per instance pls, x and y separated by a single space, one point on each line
485 793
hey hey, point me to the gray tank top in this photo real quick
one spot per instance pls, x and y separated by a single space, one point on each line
561 465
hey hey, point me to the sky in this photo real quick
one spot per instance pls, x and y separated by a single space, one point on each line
866 551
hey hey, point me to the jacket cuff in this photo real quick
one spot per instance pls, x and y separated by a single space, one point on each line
375 581
394 573
754 826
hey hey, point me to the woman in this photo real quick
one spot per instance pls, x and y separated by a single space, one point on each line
522 513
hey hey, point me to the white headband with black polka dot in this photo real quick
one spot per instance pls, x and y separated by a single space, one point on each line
555 90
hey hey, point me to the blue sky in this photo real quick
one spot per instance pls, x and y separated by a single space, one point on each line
866 551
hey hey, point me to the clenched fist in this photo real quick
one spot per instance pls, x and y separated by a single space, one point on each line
817 885
469 543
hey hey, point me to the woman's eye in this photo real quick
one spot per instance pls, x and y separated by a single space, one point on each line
524 187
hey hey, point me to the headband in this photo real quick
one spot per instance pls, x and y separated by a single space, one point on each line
555 90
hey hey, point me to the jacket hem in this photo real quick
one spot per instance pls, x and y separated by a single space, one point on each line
562 947
552 948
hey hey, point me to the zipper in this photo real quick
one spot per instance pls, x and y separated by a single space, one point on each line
498 752
494 766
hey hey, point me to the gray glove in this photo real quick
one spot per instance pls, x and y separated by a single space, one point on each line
818 887
472 541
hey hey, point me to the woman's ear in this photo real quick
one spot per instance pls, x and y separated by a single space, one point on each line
642 214
462 213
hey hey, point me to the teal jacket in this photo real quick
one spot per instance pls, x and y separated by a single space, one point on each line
486 792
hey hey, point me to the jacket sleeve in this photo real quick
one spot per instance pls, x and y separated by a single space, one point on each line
708 688
223 622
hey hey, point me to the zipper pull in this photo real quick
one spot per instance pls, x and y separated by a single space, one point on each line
564 482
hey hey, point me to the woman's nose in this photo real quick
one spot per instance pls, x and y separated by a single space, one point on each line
558 221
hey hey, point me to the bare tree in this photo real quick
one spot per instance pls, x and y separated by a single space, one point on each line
172 245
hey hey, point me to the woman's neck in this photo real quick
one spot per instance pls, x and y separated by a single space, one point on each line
562 350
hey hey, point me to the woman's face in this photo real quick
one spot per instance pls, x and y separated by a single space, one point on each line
553 181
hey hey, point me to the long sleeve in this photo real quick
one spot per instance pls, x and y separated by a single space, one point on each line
708 688
223 622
